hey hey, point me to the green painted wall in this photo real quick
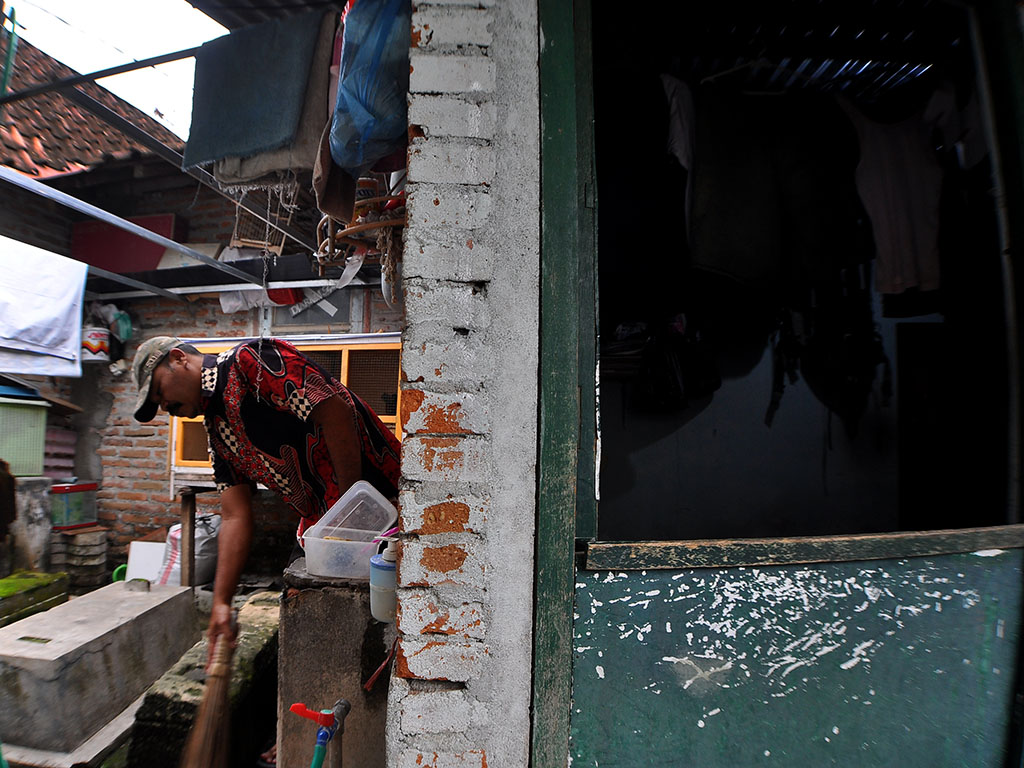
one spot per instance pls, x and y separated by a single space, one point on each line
892 662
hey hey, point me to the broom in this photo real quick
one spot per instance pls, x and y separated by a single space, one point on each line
207 744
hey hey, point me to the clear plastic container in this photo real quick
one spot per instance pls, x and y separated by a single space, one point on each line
340 544
344 555
73 504
361 508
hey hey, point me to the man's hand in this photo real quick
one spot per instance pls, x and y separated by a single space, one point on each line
233 542
222 629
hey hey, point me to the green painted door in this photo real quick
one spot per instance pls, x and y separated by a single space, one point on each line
906 662
891 650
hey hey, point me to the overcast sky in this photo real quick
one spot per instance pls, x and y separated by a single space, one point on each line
90 35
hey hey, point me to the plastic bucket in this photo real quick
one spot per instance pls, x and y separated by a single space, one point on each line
95 344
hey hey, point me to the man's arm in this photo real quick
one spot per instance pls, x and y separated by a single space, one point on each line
338 422
233 542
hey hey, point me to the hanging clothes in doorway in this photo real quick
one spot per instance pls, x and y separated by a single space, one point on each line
773 196
899 178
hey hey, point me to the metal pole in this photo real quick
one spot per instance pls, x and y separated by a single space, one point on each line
341 710
134 283
257 207
66 82
13 177
12 47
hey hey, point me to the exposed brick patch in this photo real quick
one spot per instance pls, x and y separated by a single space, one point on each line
472 758
441 453
432 510
455 559
445 517
422 612
445 459
439 659
429 413
412 399
443 559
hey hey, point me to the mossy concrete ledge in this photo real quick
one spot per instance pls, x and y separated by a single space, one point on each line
26 592
169 708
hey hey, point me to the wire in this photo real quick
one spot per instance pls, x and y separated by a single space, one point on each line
90 35
80 31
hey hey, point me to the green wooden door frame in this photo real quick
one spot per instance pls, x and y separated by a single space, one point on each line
1000 55
566 367
566 501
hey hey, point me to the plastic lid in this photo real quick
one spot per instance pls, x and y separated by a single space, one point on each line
379 561
73 487
361 508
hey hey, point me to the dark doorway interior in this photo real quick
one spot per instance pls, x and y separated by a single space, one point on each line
793 341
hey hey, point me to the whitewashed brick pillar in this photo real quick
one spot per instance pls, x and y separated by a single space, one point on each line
461 693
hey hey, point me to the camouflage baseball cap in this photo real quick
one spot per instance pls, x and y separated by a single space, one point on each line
149 355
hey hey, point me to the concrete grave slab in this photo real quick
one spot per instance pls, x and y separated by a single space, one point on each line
66 672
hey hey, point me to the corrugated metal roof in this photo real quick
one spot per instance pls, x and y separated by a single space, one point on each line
241 13
863 48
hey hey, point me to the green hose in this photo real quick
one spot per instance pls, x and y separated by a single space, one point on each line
3 763
319 753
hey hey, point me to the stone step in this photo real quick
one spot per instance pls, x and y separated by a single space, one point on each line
64 673
168 710
26 592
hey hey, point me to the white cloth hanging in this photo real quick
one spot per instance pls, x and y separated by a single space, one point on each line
899 179
41 297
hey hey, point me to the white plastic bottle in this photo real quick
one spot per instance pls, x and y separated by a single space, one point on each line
383 601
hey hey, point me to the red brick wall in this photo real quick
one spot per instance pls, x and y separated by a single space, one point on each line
34 220
204 216
134 499
208 217
135 496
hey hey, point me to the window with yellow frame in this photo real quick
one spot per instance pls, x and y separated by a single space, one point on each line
366 364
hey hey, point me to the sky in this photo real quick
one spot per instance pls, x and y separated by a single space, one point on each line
89 35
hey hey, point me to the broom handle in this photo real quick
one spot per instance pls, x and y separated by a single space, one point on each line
221 664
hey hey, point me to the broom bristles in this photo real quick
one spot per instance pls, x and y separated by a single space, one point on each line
207 744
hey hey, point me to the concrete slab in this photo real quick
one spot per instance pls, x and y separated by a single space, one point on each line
91 753
64 673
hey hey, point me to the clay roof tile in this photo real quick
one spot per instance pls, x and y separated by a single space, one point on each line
60 134
15 136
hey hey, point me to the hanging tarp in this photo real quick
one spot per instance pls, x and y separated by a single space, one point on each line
370 117
250 87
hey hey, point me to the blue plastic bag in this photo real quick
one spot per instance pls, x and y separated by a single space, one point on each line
370 116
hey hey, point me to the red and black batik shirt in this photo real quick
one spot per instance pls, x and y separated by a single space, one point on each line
258 399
